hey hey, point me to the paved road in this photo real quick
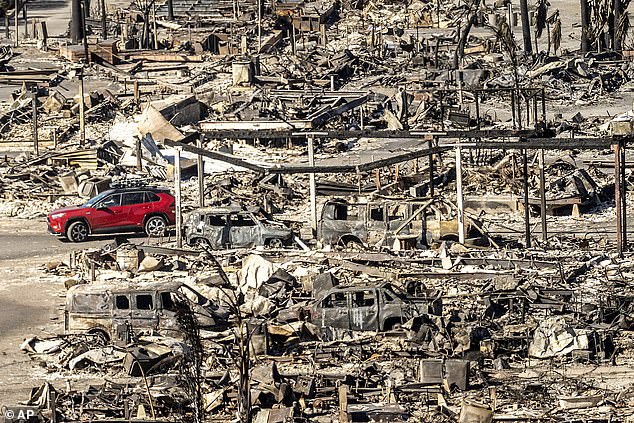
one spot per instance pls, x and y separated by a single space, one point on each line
30 301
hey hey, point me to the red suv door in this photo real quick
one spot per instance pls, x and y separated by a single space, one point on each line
137 205
108 213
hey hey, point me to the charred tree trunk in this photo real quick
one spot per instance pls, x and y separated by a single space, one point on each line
170 10
585 24
526 27
464 34
76 27
617 42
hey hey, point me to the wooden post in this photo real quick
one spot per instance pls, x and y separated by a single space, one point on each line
526 27
36 144
542 194
82 117
343 403
459 200
313 189
177 197
259 5
7 34
617 198
201 176
527 215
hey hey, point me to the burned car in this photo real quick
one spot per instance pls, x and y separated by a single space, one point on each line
233 227
377 308
386 222
113 312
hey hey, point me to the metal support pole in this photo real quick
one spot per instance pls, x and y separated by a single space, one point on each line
15 24
459 201
527 214
431 170
36 144
623 195
25 18
201 176
313 189
7 35
82 117
259 4
617 198
542 194
177 197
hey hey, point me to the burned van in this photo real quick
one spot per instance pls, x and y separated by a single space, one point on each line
113 312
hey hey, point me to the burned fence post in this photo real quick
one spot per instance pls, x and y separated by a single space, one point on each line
36 144
527 216
177 196
201 175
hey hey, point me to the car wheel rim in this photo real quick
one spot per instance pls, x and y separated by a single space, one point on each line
156 227
79 233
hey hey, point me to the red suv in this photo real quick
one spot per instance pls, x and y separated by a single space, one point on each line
117 210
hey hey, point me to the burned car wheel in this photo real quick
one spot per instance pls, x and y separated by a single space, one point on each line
77 232
202 243
155 226
275 243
